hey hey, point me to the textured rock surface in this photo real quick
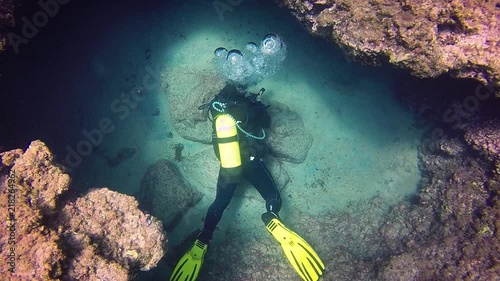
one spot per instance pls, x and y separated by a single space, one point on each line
35 183
485 137
165 192
36 170
101 236
187 90
453 232
104 216
88 265
427 37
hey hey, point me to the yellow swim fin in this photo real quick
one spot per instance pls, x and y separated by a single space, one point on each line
302 257
189 265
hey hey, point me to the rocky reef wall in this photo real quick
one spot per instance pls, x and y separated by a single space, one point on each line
429 38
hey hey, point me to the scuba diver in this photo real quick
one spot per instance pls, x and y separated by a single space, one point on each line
238 123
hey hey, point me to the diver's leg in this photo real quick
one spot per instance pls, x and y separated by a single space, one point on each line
226 186
189 265
259 176
302 257
300 254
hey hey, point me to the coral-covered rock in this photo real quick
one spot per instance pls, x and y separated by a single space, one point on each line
453 225
165 192
485 137
105 216
403 267
33 249
88 265
102 236
42 179
8 157
427 37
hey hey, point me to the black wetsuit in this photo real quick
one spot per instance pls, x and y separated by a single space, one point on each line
253 115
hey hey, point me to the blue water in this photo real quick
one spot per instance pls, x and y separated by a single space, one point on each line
364 144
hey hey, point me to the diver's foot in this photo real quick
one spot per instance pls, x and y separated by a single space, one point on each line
205 236
268 216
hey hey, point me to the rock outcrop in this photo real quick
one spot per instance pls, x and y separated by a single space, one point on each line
452 232
104 216
100 236
485 137
188 89
427 37
166 194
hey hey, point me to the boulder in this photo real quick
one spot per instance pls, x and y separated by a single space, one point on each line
166 194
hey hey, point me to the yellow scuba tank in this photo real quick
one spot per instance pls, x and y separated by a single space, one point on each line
227 140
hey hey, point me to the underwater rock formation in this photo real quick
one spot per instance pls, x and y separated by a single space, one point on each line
101 236
89 265
32 248
427 37
165 192
452 232
485 137
187 90
104 216
205 165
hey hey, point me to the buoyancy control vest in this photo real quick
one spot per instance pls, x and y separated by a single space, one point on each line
238 126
